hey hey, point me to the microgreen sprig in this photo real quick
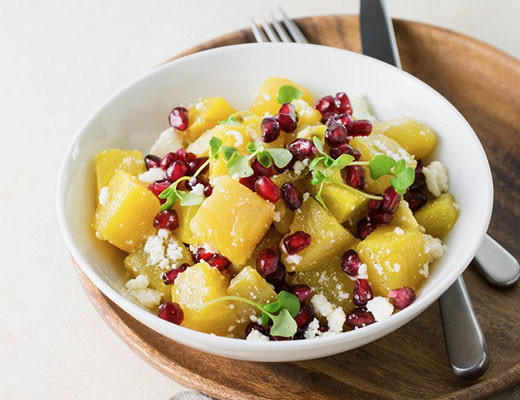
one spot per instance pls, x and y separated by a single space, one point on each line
288 93
281 312
403 175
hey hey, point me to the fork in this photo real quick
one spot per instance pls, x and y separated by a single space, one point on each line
465 342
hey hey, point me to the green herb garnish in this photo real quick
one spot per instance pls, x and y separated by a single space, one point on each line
403 175
288 93
281 312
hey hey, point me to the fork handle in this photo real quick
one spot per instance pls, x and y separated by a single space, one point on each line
465 342
496 264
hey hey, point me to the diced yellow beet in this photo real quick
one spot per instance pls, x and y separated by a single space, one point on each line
439 215
109 161
196 286
141 261
265 100
126 218
374 144
394 260
205 114
271 239
185 214
249 284
308 132
232 220
237 136
404 217
415 137
328 237
329 280
342 201
307 114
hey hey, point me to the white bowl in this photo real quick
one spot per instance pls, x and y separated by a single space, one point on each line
134 116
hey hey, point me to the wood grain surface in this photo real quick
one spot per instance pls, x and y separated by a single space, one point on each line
484 84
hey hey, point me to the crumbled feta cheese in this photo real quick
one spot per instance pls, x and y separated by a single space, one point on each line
436 178
239 140
362 271
155 249
336 319
398 231
255 319
321 305
306 196
139 282
362 109
312 329
277 217
174 251
380 307
168 141
256 336
152 175
378 268
424 271
198 189
299 166
293 259
433 248
104 194
149 298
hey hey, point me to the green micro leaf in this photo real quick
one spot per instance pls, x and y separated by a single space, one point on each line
264 158
381 165
288 93
231 120
315 162
289 301
190 198
342 161
214 146
318 177
403 180
239 165
228 152
318 197
399 167
281 157
251 147
284 324
318 144
328 162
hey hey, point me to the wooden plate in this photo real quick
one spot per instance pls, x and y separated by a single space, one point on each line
411 362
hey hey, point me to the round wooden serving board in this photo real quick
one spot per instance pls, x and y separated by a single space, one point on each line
484 84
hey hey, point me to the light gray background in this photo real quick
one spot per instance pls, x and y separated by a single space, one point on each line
60 59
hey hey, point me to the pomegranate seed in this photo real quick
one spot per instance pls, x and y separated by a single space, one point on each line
402 297
194 165
292 196
344 119
287 108
301 148
374 204
287 122
256 327
325 104
260 170
303 292
266 262
170 276
219 262
380 217
391 200
277 278
415 200
350 262
359 317
360 127
179 118
355 176
152 161
323 327
328 117
344 148
176 170
419 166
203 254
365 227
183 155
336 134
266 188
270 129
208 190
296 242
419 182
342 103
171 312
167 219
158 187
304 316
168 159
362 292
249 182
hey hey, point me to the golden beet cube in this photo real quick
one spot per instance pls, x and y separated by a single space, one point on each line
307 114
415 137
265 100
328 237
232 220
193 289
161 253
126 216
373 145
109 161
329 280
439 215
404 217
250 284
395 258
205 114
185 215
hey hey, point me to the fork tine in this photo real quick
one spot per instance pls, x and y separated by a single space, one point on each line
292 28
257 33
269 31
279 29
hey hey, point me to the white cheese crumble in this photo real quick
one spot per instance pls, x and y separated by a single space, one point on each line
293 259
299 166
168 141
312 329
163 250
362 109
138 289
436 178
198 189
362 271
424 271
380 307
104 194
256 336
433 248
139 282
277 217
398 231
336 319
321 305
174 251
306 196
152 175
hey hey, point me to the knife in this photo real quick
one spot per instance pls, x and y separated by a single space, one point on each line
465 343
